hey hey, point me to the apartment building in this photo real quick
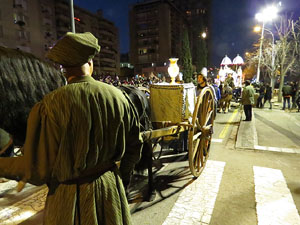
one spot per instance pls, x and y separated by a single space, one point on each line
27 25
35 25
107 62
156 28
198 13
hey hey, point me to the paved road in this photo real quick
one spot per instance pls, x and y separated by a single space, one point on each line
239 185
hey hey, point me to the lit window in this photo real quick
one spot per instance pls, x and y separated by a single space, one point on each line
142 51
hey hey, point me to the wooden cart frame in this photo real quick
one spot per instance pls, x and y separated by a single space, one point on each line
199 133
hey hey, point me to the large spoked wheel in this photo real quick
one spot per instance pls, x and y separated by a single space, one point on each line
199 137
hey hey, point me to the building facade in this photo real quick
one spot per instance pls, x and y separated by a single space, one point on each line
198 14
107 62
34 26
156 29
27 25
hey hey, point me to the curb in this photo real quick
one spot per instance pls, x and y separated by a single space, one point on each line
246 135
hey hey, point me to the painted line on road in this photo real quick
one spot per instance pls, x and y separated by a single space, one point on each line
276 149
22 210
225 129
196 202
274 201
216 140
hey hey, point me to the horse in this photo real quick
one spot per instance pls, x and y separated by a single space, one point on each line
24 80
226 96
142 106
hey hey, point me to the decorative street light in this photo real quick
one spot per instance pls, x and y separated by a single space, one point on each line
226 61
238 62
266 15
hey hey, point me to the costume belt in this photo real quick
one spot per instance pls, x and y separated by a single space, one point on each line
89 175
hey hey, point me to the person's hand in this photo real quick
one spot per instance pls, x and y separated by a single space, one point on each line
20 186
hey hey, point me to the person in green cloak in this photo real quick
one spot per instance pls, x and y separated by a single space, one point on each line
75 135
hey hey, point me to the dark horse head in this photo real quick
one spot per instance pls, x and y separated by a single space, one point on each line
141 103
24 80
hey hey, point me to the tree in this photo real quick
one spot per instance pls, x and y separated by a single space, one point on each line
201 54
187 66
281 57
286 49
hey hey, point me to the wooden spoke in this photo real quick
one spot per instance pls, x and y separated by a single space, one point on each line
208 117
196 147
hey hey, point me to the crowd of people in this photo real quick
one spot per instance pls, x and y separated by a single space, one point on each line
290 94
137 81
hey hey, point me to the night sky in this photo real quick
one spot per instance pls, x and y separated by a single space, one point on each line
232 22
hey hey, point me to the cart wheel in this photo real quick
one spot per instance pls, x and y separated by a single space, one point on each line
200 135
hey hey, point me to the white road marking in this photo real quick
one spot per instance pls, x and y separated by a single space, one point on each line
274 202
276 149
196 202
216 140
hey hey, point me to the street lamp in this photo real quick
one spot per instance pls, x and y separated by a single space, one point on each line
257 29
72 16
266 15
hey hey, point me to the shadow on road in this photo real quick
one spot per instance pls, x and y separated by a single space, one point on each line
292 136
169 183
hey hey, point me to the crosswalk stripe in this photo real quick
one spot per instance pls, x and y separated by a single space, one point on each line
196 202
274 202
216 140
276 149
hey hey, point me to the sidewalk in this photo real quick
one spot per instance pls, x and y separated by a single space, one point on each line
277 130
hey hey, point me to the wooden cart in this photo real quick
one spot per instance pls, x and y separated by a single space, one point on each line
176 109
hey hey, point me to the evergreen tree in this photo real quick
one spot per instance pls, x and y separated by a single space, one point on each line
187 67
201 54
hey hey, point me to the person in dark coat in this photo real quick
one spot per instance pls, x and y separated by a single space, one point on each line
286 93
293 94
268 96
248 100
261 91
75 136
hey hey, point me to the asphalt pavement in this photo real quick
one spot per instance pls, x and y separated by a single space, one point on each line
270 130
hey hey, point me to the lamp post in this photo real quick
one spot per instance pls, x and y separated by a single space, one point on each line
257 29
266 15
72 16
273 57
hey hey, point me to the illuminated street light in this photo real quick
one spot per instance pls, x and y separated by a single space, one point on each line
203 35
266 15
257 29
